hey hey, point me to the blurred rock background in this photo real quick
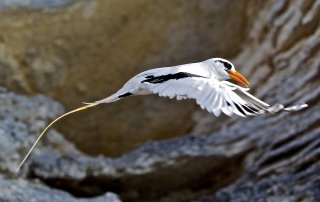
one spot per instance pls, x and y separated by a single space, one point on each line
74 51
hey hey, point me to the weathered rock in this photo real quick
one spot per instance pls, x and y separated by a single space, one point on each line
21 119
21 191
33 3
88 49
173 170
282 59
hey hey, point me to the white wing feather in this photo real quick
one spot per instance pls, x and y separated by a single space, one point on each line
212 95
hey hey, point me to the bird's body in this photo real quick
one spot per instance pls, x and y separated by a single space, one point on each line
141 84
206 82
202 81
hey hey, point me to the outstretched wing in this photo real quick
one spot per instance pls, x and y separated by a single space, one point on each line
210 94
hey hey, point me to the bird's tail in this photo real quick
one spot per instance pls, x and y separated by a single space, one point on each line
109 99
57 119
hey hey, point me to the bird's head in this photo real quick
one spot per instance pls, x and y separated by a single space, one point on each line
225 70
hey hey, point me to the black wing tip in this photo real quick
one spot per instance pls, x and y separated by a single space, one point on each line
239 109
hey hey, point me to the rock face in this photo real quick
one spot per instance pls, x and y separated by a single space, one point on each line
86 50
169 170
21 119
263 158
21 191
281 55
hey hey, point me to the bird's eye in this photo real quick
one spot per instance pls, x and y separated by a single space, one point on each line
227 66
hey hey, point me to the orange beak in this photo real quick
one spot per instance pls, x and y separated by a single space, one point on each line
237 77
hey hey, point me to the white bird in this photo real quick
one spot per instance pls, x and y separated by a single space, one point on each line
206 82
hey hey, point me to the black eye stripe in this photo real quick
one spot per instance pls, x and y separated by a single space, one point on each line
225 64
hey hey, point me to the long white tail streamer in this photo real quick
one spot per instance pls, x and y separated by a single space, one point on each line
43 132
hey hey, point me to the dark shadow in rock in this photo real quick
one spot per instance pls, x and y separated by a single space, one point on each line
21 191
180 168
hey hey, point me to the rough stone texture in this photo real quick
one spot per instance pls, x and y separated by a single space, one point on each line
264 158
22 191
33 3
167 170
282 58
21 119
88 49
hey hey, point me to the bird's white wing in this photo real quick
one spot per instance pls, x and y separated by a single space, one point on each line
210 94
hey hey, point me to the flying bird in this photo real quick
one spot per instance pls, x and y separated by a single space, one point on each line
206 82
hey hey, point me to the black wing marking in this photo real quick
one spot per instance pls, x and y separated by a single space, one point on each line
124 95
239 109
167 77
250 109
